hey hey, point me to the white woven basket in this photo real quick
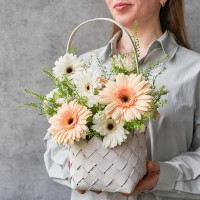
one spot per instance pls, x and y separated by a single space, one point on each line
94 167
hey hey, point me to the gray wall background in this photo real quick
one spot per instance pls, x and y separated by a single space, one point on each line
34 31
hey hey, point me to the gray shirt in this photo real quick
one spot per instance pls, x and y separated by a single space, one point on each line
173 140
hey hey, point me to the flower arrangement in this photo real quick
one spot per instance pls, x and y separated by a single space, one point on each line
108 105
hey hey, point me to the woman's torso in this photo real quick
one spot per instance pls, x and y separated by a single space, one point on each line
172 133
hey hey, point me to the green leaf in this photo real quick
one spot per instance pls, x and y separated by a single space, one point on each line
89 119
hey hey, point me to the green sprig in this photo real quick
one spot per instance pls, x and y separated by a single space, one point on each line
92 133
73 50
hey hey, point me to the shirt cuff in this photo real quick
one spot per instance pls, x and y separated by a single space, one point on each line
167 177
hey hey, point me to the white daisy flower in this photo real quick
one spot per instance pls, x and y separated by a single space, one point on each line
114 134
122 62
67 65
87 82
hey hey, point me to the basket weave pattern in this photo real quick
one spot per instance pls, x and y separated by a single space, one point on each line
94 167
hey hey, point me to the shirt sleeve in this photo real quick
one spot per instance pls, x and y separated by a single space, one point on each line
180 176
55 159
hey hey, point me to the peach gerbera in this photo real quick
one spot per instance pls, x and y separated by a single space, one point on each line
127 98
69 124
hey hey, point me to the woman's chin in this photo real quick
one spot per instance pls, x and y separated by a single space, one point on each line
125 21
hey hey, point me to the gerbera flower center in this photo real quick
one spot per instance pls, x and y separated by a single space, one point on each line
69 119
69 70
87 87
125 97
111 125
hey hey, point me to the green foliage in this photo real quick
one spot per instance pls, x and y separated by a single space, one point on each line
136 123
147 70
35 94
89 119
137 46
50 106
92 133
116 69
65 88
89 62
135 38
96 91
74 50
157 102
89 122
95 109
100 64
33 105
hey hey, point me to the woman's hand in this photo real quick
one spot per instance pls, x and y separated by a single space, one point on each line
80 191
149 181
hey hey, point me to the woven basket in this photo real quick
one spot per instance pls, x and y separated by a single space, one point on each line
94 167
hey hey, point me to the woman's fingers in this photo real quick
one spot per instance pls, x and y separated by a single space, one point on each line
149 181
81 191
98 192
153 167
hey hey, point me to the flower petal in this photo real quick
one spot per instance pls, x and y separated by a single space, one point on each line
110 108
121 79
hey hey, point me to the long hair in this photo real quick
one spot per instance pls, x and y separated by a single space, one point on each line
171 19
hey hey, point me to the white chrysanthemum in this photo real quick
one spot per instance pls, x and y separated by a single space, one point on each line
68 65
114 134
122 62
86 82
93 100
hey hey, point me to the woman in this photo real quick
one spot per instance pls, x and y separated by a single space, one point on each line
173 141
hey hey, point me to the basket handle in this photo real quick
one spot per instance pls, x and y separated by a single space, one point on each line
103 19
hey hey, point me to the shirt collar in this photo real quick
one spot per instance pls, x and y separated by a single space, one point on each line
111 48
166 42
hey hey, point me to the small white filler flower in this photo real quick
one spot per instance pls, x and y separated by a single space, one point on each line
123 62
68 65
57 96
114 134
